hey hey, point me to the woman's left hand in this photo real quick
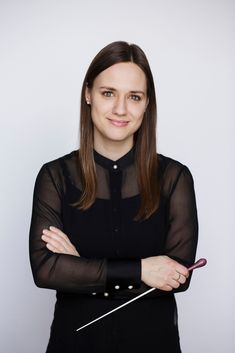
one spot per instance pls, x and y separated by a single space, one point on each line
58 242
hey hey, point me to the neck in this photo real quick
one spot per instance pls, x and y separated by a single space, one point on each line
114 150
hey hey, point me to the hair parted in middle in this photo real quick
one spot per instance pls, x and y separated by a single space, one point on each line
146 160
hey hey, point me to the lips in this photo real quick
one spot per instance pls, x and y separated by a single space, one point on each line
118 123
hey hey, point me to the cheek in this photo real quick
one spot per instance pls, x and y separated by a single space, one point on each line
138 114
139 121
100 108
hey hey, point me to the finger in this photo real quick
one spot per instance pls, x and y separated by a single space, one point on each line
59 233
62 235
60 245
167 288
173 283
51 234
176 276
182 279
53 249
56 233
54 243
176 266
182 270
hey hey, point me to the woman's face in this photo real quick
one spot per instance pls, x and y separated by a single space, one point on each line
118 101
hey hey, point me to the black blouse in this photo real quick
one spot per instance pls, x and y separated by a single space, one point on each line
110 243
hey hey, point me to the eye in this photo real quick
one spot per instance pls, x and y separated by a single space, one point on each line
136 98
107 93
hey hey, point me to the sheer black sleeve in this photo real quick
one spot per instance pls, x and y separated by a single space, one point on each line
61 271
58 271
182 234
90 274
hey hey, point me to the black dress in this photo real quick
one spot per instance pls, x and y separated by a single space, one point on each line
111 245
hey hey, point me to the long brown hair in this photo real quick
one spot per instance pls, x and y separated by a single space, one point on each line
145 138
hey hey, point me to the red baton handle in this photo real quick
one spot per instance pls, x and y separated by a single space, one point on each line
200 263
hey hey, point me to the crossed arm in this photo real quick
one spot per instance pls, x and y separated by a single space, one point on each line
160 272
56 264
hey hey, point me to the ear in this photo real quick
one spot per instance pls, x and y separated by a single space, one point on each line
87 95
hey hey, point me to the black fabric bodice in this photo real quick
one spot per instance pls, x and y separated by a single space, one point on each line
110 242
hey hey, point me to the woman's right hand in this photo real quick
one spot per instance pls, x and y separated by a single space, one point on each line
58 242
163 273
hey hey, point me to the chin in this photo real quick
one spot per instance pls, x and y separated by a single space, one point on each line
118 137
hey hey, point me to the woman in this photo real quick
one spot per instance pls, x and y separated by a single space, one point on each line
114 218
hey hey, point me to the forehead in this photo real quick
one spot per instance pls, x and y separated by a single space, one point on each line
122 76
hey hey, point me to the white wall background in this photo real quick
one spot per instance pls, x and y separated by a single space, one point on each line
46 47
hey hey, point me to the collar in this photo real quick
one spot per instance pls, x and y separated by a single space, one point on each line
119 164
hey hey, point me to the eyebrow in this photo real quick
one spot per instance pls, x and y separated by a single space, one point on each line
114 89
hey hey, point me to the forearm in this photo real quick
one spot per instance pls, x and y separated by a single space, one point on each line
69 273
113 273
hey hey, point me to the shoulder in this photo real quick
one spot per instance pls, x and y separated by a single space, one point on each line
173 171
55 168
168 164
67 158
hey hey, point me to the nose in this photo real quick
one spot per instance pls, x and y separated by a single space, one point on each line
119 107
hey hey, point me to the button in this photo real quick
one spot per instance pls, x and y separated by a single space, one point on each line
116 230
94 293
114 209
117 287
106 294
130 287
115 166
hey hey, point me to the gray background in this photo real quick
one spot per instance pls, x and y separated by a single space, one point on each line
46 47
